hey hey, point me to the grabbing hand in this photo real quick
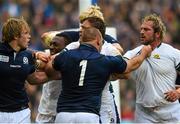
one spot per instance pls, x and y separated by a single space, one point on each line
118 47
43 56
146 50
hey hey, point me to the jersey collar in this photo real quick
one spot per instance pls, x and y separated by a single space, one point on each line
87 46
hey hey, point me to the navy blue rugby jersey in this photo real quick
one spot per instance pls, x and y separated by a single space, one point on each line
14 69
84 74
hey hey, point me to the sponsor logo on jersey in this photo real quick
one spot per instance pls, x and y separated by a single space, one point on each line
156 56
4 58
15 66
25 60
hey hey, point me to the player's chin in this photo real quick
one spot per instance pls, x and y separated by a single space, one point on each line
144 42
25 46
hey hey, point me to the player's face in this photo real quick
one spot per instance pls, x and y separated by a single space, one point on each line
84 25
57 44
147 34
24 39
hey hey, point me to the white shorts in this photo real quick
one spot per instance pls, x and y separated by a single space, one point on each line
22 116
108 113
166 113
76 117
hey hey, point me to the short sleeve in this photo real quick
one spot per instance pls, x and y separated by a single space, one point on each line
132 53
58 61
118 64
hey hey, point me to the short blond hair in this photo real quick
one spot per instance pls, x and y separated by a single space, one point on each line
92 11
158 24
13 28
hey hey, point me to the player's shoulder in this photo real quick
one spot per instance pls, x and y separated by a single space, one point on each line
169 48
131 53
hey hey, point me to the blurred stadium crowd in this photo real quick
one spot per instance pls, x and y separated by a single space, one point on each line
125 15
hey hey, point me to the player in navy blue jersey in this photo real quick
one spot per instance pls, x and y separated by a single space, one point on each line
93 18
84 74
16 65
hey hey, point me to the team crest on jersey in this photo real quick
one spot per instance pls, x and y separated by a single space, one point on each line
156 56
25 60
4 58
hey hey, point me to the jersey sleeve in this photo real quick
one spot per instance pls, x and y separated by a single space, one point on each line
58 61
110 39
132 53
118 64
73 36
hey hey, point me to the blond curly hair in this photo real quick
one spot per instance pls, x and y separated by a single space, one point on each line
158 24
92 11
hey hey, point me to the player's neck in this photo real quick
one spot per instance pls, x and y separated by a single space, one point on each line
14 45
155 44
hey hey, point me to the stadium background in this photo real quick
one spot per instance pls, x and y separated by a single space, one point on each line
125 15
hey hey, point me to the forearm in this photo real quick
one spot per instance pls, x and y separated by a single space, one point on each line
37 77
116 76
134 63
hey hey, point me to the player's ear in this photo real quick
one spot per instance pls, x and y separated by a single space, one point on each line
15 38
98 39
157 34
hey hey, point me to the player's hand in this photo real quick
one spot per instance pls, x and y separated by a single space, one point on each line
146 50
118 47
172 96
43 56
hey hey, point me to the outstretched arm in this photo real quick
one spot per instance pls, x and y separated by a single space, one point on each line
135 62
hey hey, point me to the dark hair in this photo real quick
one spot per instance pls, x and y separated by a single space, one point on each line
97 23
70 36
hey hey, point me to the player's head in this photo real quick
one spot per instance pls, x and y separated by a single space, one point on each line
93 17
152 29
59 42
13 28
92 36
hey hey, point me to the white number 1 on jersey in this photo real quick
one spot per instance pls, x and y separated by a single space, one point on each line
83 63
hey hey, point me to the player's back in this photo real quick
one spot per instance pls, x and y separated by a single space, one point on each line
84 75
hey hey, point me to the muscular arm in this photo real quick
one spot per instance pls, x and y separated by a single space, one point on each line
38 77
48 69
136 61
